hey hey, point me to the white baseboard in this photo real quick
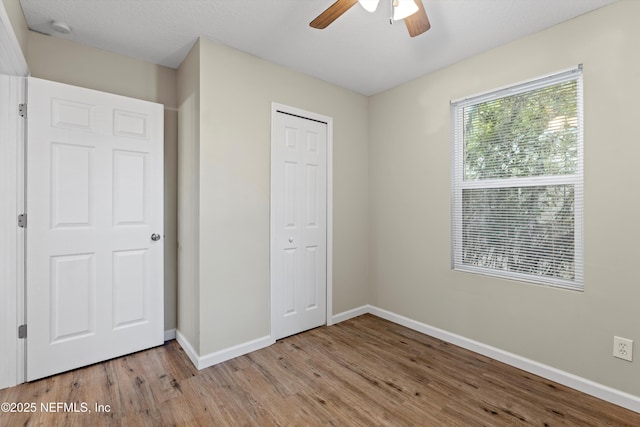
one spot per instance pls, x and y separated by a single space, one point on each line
192 354
235 351
350 314
202 362
584 385
170 334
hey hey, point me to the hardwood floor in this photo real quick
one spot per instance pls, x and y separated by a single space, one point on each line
362 372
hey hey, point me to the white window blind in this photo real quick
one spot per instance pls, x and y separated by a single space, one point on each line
517 187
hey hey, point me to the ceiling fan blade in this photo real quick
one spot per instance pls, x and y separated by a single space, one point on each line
417 23
334 12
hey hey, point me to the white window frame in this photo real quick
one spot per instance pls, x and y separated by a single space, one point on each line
576 180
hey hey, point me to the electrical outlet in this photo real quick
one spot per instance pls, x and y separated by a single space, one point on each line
623 348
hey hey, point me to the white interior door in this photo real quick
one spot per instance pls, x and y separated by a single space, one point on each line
94 202
299 224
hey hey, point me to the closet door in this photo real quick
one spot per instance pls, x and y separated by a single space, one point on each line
299 216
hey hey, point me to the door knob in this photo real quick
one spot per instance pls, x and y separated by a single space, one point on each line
155 237
290 239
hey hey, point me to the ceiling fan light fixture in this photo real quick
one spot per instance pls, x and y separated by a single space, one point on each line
369 5
411 11
403 9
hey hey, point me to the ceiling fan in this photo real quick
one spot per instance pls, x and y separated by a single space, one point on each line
412 11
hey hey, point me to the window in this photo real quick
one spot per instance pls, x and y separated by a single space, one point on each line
517 181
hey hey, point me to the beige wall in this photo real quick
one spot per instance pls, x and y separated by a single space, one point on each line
189 197
236 92
410 151
68 62
72 63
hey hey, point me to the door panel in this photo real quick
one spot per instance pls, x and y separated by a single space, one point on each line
73 305
94 197
129 187
129 283
71 185
299 209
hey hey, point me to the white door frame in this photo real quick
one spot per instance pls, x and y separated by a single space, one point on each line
12 349
275 108
13 68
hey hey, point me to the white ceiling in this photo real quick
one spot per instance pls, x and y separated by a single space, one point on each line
360 51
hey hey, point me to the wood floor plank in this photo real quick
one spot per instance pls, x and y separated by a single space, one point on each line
362 372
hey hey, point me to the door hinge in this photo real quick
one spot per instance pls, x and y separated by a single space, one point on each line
22 110
22 331
22 220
